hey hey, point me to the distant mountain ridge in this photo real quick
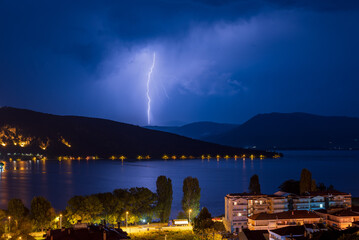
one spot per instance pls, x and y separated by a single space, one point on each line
293 131
277 131
52 135
197 130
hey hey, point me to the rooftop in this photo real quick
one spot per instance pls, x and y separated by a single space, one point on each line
255 234
245 195
345 213
296 214
291 230
326 193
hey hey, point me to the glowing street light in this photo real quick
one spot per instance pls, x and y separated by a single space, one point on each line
9 223
189 215
60 221
127 219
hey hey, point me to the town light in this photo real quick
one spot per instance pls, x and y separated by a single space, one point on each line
127 219
9 223
60 221
189 215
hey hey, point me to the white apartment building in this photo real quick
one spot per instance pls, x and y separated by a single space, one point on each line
307 202
277 204
240 206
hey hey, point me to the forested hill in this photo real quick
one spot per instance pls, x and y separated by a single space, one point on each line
293 131
197 130
52 135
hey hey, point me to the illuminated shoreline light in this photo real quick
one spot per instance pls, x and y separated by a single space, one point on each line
66 143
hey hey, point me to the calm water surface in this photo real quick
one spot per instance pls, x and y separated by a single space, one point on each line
59 181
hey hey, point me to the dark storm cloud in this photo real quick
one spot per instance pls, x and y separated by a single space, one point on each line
221 60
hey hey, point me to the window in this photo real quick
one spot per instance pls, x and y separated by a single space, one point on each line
321 205
235 203
260 202
239 214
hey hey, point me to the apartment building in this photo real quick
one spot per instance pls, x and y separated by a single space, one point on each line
277 204
240 206
340 219
311 202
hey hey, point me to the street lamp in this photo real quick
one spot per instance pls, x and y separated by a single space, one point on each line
127 219
189 215
60 221
9 223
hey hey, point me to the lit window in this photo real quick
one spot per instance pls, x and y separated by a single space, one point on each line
260 202
255 201
321 205
239 214
235 203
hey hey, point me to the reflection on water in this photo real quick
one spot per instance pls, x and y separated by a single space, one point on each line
60 180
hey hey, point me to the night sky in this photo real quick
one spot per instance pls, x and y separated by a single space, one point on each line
219 60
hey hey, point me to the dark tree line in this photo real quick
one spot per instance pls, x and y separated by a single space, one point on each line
305 185
133 205
19 221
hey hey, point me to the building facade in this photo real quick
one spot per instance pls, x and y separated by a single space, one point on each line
240 206
339 219
267 221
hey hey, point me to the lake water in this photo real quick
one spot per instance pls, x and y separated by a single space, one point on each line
58 181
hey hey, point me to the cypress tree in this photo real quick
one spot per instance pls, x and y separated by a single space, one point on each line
165 197
191 196
254 186
305 181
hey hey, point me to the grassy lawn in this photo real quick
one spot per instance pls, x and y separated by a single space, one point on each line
161 235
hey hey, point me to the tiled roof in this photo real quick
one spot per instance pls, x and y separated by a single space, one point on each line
345 213
329 192
255 235
291 230
245 194
355 208
296 214
321 211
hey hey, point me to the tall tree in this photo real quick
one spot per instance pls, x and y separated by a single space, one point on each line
87 209
254 186
313 186
191 196
305 181
139 202
165 197
16 209
290 186
203 221
41 212
112 207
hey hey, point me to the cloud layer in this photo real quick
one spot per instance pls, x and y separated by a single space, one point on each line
216 60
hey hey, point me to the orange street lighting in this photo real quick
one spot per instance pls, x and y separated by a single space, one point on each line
126 219
189 215
9 223
60 221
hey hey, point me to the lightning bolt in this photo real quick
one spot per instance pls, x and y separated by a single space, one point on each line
148 89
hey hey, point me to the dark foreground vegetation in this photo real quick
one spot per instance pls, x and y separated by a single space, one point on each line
122 206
